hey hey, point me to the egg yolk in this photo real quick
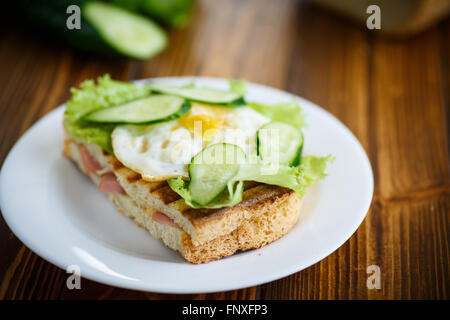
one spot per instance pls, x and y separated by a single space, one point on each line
212 119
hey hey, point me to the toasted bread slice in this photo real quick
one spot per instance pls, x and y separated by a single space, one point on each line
265 214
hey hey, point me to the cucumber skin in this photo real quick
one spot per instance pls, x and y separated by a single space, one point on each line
50 18
296 162
238 102
182 111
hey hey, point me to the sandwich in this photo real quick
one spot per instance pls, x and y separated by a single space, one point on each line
204 170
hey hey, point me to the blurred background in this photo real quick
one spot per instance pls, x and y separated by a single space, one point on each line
390 86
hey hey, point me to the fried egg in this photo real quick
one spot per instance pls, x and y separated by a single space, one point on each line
163 150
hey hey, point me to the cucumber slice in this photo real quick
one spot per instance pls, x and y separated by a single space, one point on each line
152 109
207 95
279 142
129 33
211 169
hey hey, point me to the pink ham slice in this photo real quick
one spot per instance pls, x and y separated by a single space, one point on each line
109 183
163 219
89 163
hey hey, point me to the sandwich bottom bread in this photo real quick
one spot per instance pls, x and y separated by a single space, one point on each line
266 213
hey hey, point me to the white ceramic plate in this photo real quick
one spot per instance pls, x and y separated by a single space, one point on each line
58 213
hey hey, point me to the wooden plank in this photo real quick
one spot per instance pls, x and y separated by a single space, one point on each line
94 290
241 39
410 140
30 277
445 58
408 240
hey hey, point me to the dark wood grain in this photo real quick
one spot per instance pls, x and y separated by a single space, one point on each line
408 100
393 95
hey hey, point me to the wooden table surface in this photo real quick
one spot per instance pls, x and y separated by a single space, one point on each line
393 95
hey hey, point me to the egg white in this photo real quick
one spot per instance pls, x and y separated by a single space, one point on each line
163 150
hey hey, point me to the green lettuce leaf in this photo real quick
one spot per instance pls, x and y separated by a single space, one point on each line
91 96
298 178
92 133
287 112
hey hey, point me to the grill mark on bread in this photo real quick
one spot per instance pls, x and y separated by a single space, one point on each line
133 177
155 186
144 183
124 171
166 194
116 164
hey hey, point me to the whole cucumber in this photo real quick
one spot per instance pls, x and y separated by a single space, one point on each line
175 13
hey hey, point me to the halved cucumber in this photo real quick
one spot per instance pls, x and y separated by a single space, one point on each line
130 34
211 169
152 109
207 95
279 142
